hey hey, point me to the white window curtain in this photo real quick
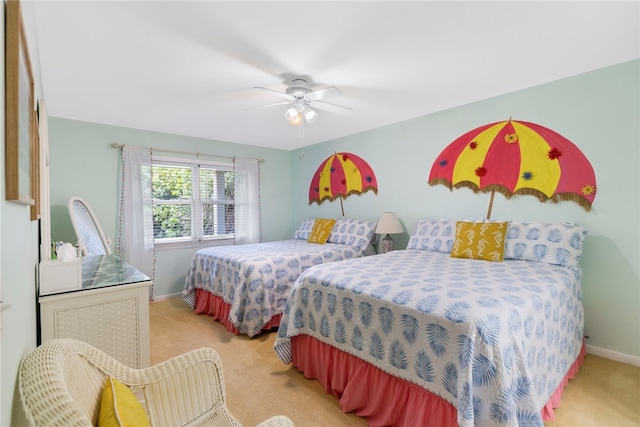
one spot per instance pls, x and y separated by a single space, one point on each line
136 216
247 201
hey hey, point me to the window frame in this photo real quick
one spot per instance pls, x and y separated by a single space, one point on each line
197 241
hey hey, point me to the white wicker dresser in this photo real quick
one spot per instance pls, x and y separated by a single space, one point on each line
110 312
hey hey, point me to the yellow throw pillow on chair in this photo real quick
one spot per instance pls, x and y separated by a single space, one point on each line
321 230
120 408
479 240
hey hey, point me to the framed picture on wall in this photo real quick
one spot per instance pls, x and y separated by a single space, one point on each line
21 156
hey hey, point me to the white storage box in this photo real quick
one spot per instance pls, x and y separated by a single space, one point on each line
60 276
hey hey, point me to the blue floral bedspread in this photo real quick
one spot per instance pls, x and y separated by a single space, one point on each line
255 279
493 338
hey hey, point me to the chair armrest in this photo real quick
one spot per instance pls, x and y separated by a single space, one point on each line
185 389
195 382
277 421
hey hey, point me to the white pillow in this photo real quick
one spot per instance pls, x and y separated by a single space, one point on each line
551 243
435 235
353 232
304 229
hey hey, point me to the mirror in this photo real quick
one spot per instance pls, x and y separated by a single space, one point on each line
91 239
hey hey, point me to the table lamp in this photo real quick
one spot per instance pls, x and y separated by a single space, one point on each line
388 224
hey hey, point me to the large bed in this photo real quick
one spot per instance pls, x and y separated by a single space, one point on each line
418 337
245 287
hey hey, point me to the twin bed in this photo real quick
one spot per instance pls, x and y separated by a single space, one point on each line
246 287
418 337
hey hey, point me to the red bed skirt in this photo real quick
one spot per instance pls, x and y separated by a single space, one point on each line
214 306
383 399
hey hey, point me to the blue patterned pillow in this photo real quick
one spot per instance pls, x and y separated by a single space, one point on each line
353 232
435 235
304 229
551 243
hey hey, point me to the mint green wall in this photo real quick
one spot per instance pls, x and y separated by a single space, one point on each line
598 111
83 163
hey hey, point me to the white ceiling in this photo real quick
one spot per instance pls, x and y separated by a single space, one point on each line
189 67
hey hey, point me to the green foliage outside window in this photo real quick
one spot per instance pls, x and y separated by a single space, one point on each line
174 184
173 202
171 183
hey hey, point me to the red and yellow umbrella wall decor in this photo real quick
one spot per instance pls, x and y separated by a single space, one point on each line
339 176
516 157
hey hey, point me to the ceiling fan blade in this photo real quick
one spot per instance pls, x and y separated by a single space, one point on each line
270 105
332 108
326 93
282 94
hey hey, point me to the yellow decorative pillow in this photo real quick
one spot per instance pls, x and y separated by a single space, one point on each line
479 240
321 230
119 407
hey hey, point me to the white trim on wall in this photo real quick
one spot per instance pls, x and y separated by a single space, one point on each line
166 297
613 355
45 202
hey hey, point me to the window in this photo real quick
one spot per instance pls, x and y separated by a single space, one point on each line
192 202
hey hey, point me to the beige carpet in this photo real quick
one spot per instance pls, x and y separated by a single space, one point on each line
604 393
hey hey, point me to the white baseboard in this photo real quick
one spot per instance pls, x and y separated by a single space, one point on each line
613 355
165 297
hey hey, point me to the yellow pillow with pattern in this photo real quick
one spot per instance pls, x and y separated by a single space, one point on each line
479 240
321 230
119 407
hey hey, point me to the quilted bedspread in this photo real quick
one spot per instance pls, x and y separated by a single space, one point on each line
255 279
493 338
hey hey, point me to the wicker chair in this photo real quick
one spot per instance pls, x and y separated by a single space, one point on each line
61 384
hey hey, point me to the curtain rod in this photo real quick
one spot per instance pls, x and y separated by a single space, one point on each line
116 145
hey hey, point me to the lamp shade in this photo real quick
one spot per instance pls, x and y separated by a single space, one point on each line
389 224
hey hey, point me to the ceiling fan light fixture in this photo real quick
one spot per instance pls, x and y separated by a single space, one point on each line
293 115
300 97
309 114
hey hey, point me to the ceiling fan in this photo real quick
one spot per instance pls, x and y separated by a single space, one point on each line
304 101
